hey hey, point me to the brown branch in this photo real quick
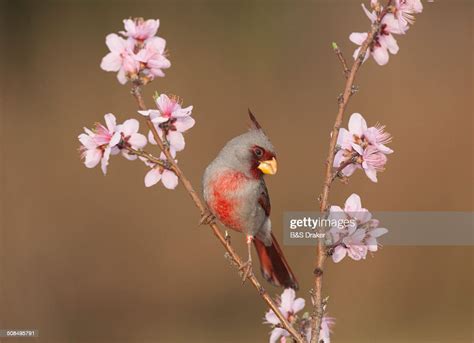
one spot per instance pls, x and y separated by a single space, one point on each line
343 100
343 165
136 92
148 156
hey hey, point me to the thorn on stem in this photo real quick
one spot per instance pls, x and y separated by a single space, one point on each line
318 272
340 99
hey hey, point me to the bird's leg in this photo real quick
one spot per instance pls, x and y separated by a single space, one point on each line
207 217
247 266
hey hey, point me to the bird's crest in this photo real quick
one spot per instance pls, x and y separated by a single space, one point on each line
254 123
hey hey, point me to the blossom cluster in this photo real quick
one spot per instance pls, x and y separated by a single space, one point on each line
396 20
170 121
102 141
362 147
139 55
289 305
359 236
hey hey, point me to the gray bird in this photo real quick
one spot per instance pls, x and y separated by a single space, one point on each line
235 192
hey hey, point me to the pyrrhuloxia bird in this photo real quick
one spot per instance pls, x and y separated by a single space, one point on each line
235 192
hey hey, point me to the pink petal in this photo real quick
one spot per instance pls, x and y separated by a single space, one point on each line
371 243
358 236
115 43
362 215
115 139
344 138
371 174
156 72
137 140
105 160
358 37
271 318
390 43
122 77
298 305
169 179
158 119
339 158
92 158
381 55
287 298
350 169
176 140
339 254
384 149
276 334
183 112
371 15
183 124
357 124
353 203
129 127
164 103
357 148
151 138
129 25
157 44
111 62
152 177
87 141
110 122
128 156
146 113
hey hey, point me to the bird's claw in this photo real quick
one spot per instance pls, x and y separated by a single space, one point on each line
246 270
207 218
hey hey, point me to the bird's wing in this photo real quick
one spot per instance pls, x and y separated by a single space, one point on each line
264 199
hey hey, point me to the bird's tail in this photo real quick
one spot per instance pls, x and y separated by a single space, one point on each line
273 264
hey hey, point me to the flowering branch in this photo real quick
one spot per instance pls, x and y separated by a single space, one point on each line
136 92
321 250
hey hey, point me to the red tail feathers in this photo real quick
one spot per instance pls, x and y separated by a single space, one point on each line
273 265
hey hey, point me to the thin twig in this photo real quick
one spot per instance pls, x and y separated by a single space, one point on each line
343 165
341 58
321 253
149 157
136 92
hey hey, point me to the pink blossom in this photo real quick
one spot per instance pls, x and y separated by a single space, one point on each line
140 29
364 146
157 173
98 144
383 43
289 305
373 161
405 11
359 236
130 137
171 118
153 57
121 58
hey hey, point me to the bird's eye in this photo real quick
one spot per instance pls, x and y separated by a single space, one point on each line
258 152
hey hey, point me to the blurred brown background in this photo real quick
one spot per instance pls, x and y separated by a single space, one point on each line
88 258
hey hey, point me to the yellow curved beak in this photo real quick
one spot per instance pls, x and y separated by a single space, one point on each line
268 167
